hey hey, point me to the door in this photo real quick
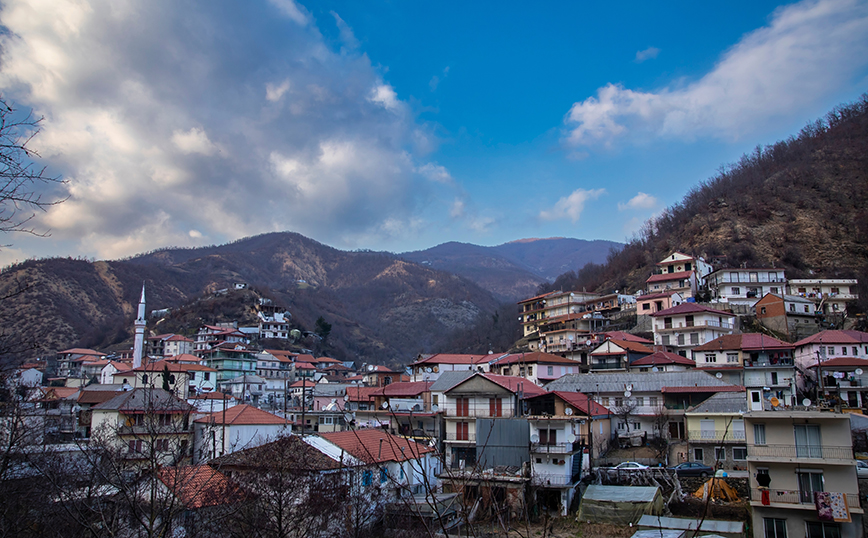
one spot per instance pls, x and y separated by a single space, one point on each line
706 429
756 400
808 442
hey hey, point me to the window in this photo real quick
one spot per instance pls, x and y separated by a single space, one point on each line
135 446
640 401
736 291
636 426
495 407
622 426
551 370
792 307
548 437
739 453
720 453
732 358
680 339
694 338
818 529
774 528
809 482
530 370
206 376
697 454
161 445
710 357
367 477
653 401
606 401
462 431
808 443
762 310
664 340
759 434
384 475
807 308
646 306
843 350
462 407
773 289
667 323
688 321
619 402
435 399
855 350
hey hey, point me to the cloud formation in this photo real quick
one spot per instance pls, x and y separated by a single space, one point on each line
647 54
571 207
175 126
640 201
806 51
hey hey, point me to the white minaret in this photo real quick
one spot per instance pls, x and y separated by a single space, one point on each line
139 345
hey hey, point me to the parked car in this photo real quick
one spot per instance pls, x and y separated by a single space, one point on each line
692 468
861 469
630 466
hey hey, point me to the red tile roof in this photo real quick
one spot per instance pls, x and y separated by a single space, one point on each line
635 347
746 341
184 357
304 366
843 362
302 383
650 296
662 357
242 415
536 298
80 351
535 357
161 365
580 402
514 384
447 358
200 486
665 277
361 394
834 337
376 445
621 335
689 308
401 389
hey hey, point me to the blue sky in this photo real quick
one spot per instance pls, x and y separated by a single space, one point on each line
400 125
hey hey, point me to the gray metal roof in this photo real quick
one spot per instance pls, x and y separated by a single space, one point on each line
642 382
708 525
447 380
722 402
146 399
634 494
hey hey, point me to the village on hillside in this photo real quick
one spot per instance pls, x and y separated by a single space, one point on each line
718 401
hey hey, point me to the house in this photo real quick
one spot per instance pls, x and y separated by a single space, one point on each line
537 366
69 364
168 345
273 321
377 375
231 360
715 431
789 315
429 367
107 374
238 427
559 304
151 425
562 429
650 303
651 404
200 486
679 273
745 286
463 397
764 365
830 295
799 461
843 381
210 336
408 409
661 361
681 328
211 402
184 378
616 355
829 344
247 388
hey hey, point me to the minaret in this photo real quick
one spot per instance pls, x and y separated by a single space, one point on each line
139 345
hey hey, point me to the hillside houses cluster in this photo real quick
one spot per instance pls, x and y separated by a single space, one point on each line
511 429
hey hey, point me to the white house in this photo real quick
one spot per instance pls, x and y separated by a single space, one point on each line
238 427
681 328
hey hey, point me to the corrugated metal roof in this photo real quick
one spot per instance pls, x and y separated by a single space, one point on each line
642 382
722 402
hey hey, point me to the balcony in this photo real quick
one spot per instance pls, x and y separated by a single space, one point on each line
607 366
551 479
768 363
813 452
700 324
800 499
555 448
459 437
710 436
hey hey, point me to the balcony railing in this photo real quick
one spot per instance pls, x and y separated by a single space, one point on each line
556 448
800 451
699 324
481 412
716 435
766 363
551 479
607 366
780 496
454 436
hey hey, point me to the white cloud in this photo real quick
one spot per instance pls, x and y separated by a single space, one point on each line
194 141
458 208
571 207
647 54
640 201
385 95
167 138
435 80
274 92
291 10
435 172
806 52
348 38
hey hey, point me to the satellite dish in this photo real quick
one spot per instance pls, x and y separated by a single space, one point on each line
655 369
435 408
417 407
568 411
346 397
858 371
428 369
630 386
775 402
627 394
571 438
718 375
534 438
806 402
348 417
385 405
370 367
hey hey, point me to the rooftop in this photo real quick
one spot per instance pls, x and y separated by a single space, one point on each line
241 415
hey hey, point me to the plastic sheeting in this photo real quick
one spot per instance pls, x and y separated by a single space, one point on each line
619 505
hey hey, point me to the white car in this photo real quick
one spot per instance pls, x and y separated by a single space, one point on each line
861 469
630 466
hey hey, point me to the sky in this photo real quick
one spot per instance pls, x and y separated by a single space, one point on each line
397 126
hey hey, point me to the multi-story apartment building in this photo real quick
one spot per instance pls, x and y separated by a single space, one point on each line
230 360
802 475
168 345
537 367
829 344
564 305
830 295
715 431
616 355
681 328
430 367
212 335
791 315
679 273
745 286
